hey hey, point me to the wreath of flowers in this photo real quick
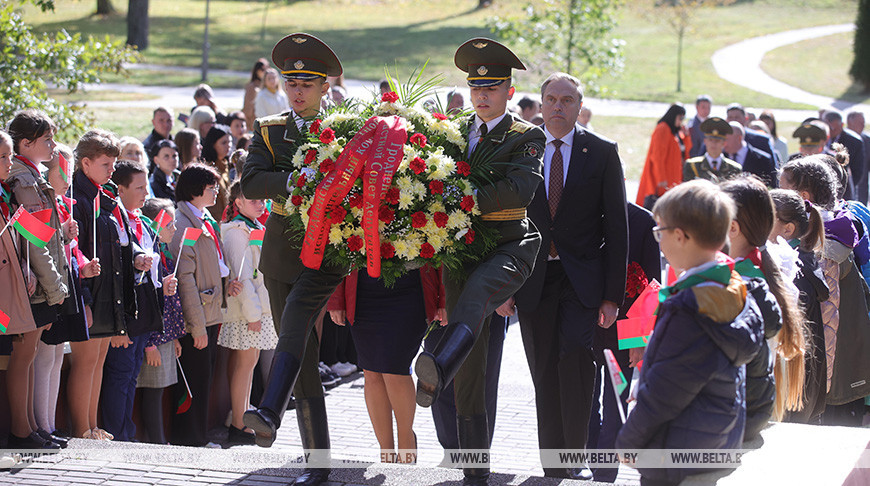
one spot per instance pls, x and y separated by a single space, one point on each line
429 215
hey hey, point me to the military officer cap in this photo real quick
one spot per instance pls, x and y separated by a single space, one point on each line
487 62
811 133
303 56
715 127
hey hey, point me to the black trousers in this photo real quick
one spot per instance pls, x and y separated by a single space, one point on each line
308 382
191 427
557 337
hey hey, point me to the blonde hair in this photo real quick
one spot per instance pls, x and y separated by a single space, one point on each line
701 209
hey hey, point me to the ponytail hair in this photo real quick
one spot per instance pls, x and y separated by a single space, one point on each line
755 215
231 211
790 208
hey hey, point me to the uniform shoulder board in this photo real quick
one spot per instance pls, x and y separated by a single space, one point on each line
273 120
695 160
520 126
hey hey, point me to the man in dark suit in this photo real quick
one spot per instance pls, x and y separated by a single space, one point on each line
750 158
702 111
855 122
305 62
759 140
579 276
855 146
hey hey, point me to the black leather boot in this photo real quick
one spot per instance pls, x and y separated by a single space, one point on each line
474 436
314 431
267 418
435 370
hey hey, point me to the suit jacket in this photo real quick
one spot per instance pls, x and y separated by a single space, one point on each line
862 182
762 142
264 176
697 137
762 165
590 227
161 187
855 146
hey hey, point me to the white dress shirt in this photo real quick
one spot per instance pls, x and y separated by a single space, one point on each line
474 133
550 149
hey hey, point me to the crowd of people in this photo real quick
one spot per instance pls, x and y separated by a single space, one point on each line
156 259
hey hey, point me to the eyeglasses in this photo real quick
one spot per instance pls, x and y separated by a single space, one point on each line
657 232
216 188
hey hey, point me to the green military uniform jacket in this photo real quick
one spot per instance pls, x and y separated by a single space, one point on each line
276 139
700 168
515 151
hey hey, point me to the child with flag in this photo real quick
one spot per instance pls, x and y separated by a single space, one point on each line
202 272
162 348
692 383
248 326
124 362
32 135
104 235
71 324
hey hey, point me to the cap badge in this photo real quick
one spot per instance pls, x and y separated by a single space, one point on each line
807 140
299 40
299 64
715 133
480 45
482 70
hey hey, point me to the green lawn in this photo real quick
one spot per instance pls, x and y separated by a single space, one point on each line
369 34
833 53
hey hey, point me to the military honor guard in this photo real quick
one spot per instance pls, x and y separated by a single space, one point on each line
712 165
812 136
296 293
512 150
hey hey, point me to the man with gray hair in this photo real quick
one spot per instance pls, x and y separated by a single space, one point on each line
750 158
855 123
578 281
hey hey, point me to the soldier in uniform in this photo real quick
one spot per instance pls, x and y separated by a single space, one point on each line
812 136
513 150
297 294
712 165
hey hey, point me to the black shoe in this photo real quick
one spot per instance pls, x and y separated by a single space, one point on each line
434 370
32 441
580 473
52 438
473 432
266 420
476 480
312 477
240 437
328 378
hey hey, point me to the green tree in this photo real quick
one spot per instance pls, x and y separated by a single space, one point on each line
575 36
679 16
31 63
860 70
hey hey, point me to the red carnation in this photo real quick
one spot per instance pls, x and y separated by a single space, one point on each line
469 237
386 214
463 168
355 200
427 250
440 219
390 97
310 156
337 214
439 116
418 139
327 136
300 182
418 165
387 250
635 281
467 203
418 219
326 166
436 187
296 200
354 243
315 126
392 195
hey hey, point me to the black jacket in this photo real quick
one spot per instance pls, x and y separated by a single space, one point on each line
161 187
760 385
762 165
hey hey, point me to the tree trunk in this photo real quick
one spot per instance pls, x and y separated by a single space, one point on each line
137 24
484 3
105 7
680 35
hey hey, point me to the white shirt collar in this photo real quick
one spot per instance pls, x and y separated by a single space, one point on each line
300 122
193 209
490 124
566 140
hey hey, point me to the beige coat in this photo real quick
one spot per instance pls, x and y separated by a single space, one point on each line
200 285
253 303
14 300
48 264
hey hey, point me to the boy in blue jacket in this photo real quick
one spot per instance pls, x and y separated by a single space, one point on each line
692 383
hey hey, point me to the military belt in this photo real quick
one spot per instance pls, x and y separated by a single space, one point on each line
505 215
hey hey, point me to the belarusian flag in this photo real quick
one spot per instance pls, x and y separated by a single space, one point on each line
4 322
97 206
64 167
44 216
31 228
162 220
634 332
190 236
256 238
616 376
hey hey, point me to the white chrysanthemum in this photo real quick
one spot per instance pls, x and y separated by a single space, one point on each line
436 241
401 247
289 207
346 231
335 236
335 119
298 158
419 189
458 219
436 206
303 210
405 200
387 109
